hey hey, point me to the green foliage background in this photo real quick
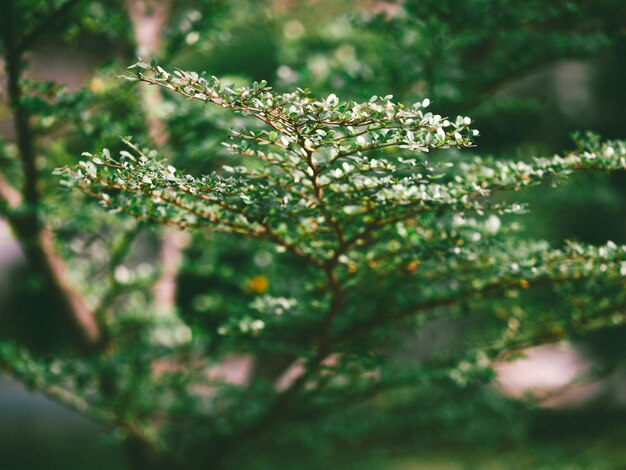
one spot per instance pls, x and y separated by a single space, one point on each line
491 60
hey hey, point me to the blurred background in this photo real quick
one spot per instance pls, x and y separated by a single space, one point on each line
530 74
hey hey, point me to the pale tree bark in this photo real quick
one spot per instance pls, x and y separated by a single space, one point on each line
148 18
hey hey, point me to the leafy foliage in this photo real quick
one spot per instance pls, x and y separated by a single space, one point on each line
320 183
327 235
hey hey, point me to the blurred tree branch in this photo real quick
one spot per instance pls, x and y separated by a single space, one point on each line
53 19
35 239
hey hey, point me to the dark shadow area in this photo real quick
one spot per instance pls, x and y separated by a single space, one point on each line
37 433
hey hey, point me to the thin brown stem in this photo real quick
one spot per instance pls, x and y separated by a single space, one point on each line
336 303
371 323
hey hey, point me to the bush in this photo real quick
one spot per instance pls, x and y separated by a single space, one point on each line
337 233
